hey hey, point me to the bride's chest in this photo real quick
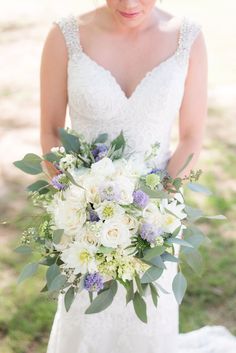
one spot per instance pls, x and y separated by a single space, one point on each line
94 92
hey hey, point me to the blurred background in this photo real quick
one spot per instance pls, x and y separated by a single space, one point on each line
25 316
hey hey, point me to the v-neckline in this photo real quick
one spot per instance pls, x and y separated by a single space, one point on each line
148 73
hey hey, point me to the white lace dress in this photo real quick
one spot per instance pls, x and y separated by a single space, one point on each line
98 104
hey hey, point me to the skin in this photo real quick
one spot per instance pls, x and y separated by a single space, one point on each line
128 49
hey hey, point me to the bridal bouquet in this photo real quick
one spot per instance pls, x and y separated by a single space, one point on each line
103 220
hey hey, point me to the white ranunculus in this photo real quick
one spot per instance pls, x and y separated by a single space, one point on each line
108 210
68 217
126 187
114 233
80 257
103 168
75 197
131 222
91 233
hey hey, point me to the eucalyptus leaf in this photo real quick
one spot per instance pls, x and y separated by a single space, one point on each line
156 261
39 186
154 293
219 217
57 283
101 138
199 188
167 257
179 286
130 292
52 272
193 213
140 307
28 271
70 142
51 157
57 235
152 274
179 241
150 253
138 283
23 249
103 300
194 260
30 164
69 298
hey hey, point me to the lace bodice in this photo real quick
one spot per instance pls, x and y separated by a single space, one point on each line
98 104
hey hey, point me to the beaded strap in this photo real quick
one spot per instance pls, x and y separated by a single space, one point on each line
70 30
188 33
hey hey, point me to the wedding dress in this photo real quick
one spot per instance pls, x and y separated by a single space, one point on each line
98 104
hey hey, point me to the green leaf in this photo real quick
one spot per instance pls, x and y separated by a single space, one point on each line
168 257
153 252
185 164
179 241
69 141
103 300
30 164
57 235
194 260
139 286
39 186
51 157
130 292
23 249
179 286
52 272
101 138
69 298
105 250
119 142
151 275
57 283
156 261
199 188
219 217
28 271
140 307
154 293
193 213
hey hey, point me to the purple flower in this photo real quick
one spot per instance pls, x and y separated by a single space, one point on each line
150 232
93 282
93 216
140 198
57 182
99 152
109 191
156 170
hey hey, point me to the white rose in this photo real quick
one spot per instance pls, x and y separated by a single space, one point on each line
130 222
75 196
91 185
103 168
114 234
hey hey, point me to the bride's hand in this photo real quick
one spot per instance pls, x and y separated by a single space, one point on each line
49 169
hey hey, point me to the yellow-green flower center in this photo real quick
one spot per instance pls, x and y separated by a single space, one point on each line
108 211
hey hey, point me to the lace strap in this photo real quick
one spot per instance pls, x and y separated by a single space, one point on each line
188 32
70 30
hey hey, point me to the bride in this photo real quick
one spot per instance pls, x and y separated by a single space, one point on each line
128 65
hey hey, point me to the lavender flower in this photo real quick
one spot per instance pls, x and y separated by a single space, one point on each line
109 191
140 198
93 216
99 152
59 182
93 282
150 232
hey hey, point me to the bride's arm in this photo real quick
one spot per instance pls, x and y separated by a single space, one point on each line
193 111
53 89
